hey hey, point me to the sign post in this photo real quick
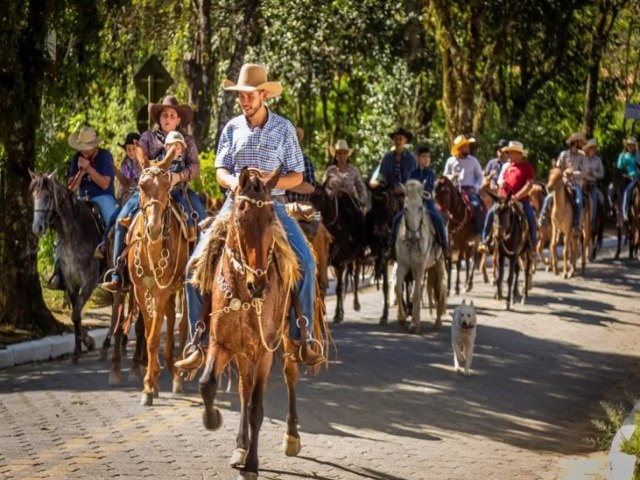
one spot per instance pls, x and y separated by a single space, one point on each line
152 81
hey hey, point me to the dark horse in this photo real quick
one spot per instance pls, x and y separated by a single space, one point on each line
634 222
338 214
511 236
462 233
79 232
252 283
385 204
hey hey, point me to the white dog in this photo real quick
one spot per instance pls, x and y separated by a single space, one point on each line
463 336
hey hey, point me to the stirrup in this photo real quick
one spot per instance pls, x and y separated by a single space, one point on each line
190 375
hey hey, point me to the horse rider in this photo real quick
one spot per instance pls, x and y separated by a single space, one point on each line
494 166
629 163
91 173
427 176
518 180
572 162
342 176
594 171
261 139
396 165
127 175
464 170
302 192
168 116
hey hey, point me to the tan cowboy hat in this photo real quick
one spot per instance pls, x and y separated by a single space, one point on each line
631 141
591 143
183 110
86 139
515 147
340 145
576 137
458 143
253 77
175 137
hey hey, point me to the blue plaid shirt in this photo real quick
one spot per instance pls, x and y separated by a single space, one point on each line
308 176
266 148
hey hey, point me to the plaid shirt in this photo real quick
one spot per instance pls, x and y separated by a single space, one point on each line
308 176
266 148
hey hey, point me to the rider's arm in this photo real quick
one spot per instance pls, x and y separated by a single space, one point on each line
374 182
304 188
524 191
598 171
192 161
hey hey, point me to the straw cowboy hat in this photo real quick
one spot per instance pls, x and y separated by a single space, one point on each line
253 77
576 137
401 131
591 143
175 137
86 139
631 141
340 145
515 147
459 142
183 110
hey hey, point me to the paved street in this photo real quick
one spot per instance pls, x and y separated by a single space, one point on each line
389 408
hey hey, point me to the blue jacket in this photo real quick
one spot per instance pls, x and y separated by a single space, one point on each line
388 170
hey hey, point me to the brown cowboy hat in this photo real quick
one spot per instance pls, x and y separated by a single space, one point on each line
253 77
340 145
85 139
183 110
576 137
401 131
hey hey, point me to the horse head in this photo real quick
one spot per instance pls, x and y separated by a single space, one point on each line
251 227
413 208
503 218
154 184
444 192
45 200
555 180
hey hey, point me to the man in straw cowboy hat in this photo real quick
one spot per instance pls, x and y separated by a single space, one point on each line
396 165
518 180
91 174
629 163
465 170
594 171
259 138
573 164
494 166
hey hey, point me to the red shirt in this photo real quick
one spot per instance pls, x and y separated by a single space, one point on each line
516 177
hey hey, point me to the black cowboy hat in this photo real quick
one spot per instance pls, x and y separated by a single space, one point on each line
183 110
401 131
129 140
501 144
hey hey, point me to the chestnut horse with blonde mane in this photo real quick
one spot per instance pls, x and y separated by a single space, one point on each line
157 253
250 300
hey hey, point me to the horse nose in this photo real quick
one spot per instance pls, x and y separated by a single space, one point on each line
38 229
255 290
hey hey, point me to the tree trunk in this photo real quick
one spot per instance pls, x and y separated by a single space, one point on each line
608 11
246 36
23 48
200 73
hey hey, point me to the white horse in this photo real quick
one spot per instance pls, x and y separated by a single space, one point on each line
417 252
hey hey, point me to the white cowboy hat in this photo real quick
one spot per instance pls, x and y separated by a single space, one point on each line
591 143
576 137
515 147
175 137
253 77
631 141
458 143
86 139
340 145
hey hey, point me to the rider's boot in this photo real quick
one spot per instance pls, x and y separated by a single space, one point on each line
303 353
194 361
483 247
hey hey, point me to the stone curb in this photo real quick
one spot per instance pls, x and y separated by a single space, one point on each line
622 465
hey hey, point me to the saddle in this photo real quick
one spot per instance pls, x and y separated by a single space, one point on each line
97 216
307 217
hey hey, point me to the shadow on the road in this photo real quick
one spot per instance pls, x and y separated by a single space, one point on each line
365 473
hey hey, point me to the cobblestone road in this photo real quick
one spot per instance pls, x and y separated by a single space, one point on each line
389 408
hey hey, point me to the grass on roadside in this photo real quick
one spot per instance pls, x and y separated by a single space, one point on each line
631 446
608 425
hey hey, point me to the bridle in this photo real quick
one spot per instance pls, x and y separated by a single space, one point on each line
51 211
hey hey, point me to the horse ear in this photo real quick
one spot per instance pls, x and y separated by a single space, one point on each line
273 178
495 197
243 179
509 195
142 158
32 175
52 175
168 158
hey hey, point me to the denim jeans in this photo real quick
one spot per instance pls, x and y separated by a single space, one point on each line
626 199
594 202
196 204
129 209
577 214
107 205
306 285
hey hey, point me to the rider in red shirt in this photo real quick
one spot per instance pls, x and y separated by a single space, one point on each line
518 180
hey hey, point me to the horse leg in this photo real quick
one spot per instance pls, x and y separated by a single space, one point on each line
256 416
176 384
356 282
510 281
104 351
216 360
385 287
153 328
418 273
245 388
471 269
77 302
527 278
183 335
339 316
291 443
138 359
498 295
401 271
458 267
117 318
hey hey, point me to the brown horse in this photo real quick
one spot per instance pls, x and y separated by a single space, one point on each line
619 182
536 198
158 251
252 281
562 224
634 222
462 232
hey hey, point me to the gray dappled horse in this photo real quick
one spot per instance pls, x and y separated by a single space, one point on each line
78 233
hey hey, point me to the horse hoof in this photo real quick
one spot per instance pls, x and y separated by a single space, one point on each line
337 320
383 321
135 375
356 307
146 400
237 458
291 445
177 385
402 321
414 329
89 342
114 378
247 476
523 301
156 391
102 356
74 359
212 419
438 324
507 306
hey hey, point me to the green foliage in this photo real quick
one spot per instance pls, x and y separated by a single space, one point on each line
631 446
206 181
614 414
